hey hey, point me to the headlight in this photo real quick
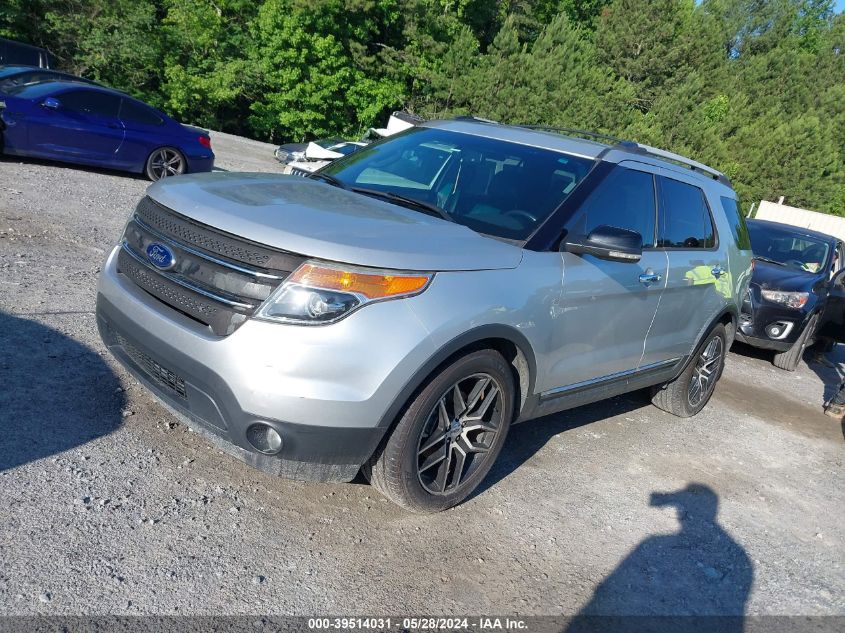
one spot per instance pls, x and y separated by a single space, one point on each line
316 294
795 300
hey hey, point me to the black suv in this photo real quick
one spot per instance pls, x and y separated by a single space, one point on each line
793 296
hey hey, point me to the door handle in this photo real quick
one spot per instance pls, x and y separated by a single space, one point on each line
717 271
649 277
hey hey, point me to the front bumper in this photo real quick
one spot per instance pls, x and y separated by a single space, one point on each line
321 388
757 315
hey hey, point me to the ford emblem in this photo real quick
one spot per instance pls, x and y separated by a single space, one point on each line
160 256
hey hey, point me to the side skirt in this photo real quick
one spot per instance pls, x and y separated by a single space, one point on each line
597 389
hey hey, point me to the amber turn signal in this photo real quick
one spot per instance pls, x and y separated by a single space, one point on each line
369 285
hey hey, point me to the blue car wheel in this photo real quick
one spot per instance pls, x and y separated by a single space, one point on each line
165 162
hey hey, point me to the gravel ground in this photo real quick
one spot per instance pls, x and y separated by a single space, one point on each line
109 506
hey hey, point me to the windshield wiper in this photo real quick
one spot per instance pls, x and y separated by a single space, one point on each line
316 175
425 207
769 260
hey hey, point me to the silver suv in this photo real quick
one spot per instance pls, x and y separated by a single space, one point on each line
397 311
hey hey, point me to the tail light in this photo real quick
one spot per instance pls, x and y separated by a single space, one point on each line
205 141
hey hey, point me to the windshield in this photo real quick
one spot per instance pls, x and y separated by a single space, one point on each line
494 187
800 252
32 91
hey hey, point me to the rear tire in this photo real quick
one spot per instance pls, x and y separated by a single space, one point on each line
165 162
448 437
689 393
790 359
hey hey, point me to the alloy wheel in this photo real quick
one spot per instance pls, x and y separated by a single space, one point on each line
459 433
166 162
706 370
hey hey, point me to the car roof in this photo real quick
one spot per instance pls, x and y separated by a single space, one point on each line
796 230
580 143
523 136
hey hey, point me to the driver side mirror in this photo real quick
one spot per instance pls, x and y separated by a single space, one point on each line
606 242
52 103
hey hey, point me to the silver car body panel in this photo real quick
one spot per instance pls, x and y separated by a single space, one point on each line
316 219
580 322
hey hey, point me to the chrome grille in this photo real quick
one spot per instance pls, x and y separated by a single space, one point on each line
186 231
214 279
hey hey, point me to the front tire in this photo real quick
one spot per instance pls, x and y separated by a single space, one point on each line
449 436
165 162
790 359
688 393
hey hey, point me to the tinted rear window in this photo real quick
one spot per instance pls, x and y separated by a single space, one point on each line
685 217
133 112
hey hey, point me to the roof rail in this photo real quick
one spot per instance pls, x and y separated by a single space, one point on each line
472 117
626 146
677 158
573 132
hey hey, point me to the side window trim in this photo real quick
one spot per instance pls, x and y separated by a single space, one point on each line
661 216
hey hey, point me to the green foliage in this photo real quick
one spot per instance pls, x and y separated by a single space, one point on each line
754 87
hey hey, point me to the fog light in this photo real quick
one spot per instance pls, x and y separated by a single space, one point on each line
778 330
264 438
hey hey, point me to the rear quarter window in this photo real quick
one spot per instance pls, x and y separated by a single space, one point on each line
739 229
132 112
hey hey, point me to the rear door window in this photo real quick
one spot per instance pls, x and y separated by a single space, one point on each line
685 220
90 102
625 199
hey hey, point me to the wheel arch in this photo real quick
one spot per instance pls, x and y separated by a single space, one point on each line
507 340
729 317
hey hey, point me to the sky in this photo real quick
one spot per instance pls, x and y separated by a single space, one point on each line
840 5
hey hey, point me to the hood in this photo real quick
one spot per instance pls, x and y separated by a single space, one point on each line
774 277
319 220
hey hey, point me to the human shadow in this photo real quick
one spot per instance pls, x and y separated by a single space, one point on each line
55 392
697 579
829 366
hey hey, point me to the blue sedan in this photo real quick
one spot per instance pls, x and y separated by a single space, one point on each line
93 125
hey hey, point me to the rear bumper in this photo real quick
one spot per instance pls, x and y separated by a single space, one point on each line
324 390
197 164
